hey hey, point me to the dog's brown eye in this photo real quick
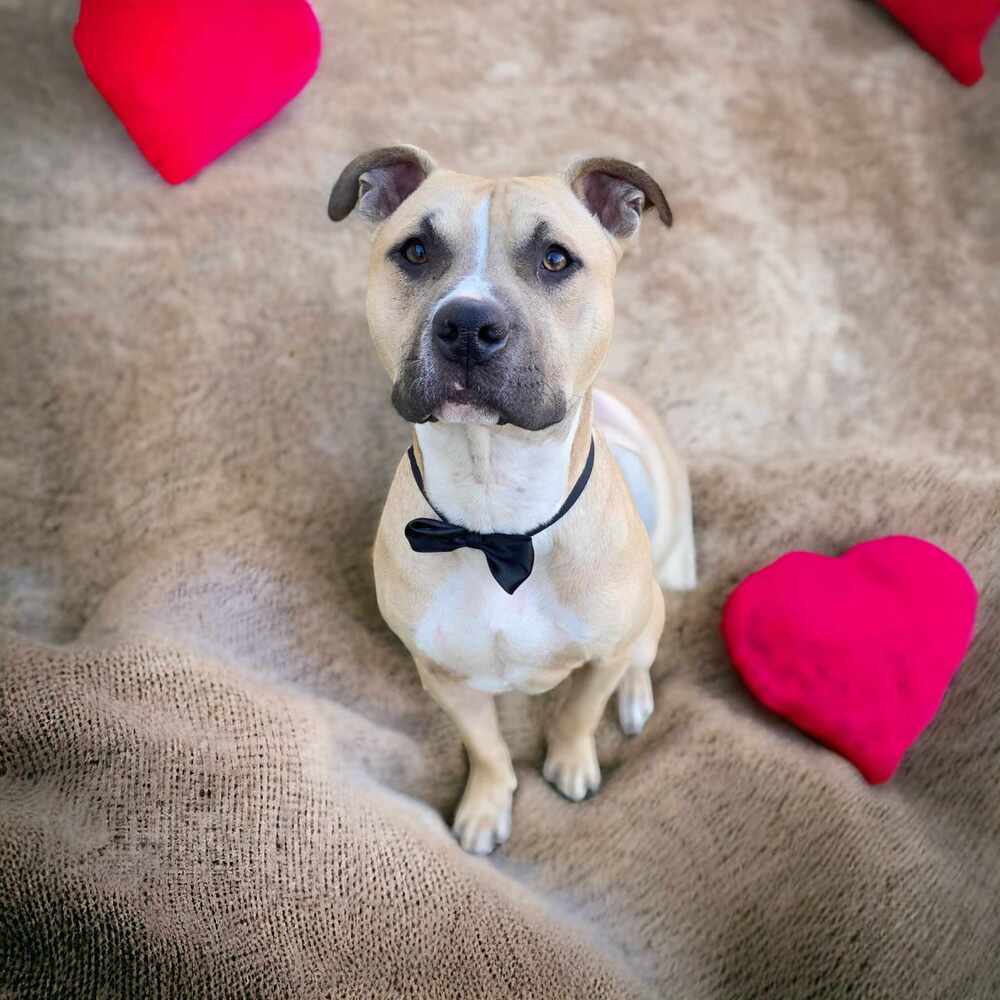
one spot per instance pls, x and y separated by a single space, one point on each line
414 251
555 259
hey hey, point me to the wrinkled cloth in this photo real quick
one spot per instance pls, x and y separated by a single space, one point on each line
219 775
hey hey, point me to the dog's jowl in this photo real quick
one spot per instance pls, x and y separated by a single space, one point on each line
531 525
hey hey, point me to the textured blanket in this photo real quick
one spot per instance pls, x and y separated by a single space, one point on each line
219 776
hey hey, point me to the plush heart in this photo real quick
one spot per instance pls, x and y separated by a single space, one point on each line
858 650
189 78
953 31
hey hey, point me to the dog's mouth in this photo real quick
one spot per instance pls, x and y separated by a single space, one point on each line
513 388
462 395
463 405
448 400
491 398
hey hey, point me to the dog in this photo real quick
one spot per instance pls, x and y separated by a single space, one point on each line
529 529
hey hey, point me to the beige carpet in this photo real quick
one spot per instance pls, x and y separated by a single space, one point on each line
219 776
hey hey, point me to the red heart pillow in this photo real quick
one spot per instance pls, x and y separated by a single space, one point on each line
189 78
857 651
953 31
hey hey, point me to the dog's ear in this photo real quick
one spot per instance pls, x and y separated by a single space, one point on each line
378 182
617 193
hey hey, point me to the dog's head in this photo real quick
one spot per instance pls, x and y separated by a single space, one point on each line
490 301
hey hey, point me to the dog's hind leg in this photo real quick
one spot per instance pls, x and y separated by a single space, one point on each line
656 479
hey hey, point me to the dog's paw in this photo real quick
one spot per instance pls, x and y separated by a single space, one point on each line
635 701
573 769
482 821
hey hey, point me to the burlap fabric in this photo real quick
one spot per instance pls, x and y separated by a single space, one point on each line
219 776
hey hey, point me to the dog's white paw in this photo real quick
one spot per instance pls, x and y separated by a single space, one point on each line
573 769
635 701
482 821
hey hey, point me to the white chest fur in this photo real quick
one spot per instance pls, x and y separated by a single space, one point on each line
526 641
490 481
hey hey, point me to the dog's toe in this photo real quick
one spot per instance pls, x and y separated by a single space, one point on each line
573 769
483 820
478 839
635 701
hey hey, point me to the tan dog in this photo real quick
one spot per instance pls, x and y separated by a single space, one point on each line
490 304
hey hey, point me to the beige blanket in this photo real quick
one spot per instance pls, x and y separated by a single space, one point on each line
219 776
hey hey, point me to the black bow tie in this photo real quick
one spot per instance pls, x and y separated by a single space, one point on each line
509 557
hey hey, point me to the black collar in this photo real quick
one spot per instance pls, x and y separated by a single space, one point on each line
510 557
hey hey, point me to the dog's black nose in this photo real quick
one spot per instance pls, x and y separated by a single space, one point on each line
469 331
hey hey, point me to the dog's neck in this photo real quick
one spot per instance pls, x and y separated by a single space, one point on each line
503 478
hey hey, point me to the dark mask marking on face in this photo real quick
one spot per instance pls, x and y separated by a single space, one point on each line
437 253
513 385
529 258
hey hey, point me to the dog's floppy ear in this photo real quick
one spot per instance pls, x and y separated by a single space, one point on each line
378 182
617 193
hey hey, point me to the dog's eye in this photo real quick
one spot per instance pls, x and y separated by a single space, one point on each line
414 251
556 258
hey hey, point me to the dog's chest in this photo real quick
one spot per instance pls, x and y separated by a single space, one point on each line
527 641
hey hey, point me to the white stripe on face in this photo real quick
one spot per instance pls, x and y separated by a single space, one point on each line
475 285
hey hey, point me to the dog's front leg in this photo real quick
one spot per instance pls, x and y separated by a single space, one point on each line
571 761
482 820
